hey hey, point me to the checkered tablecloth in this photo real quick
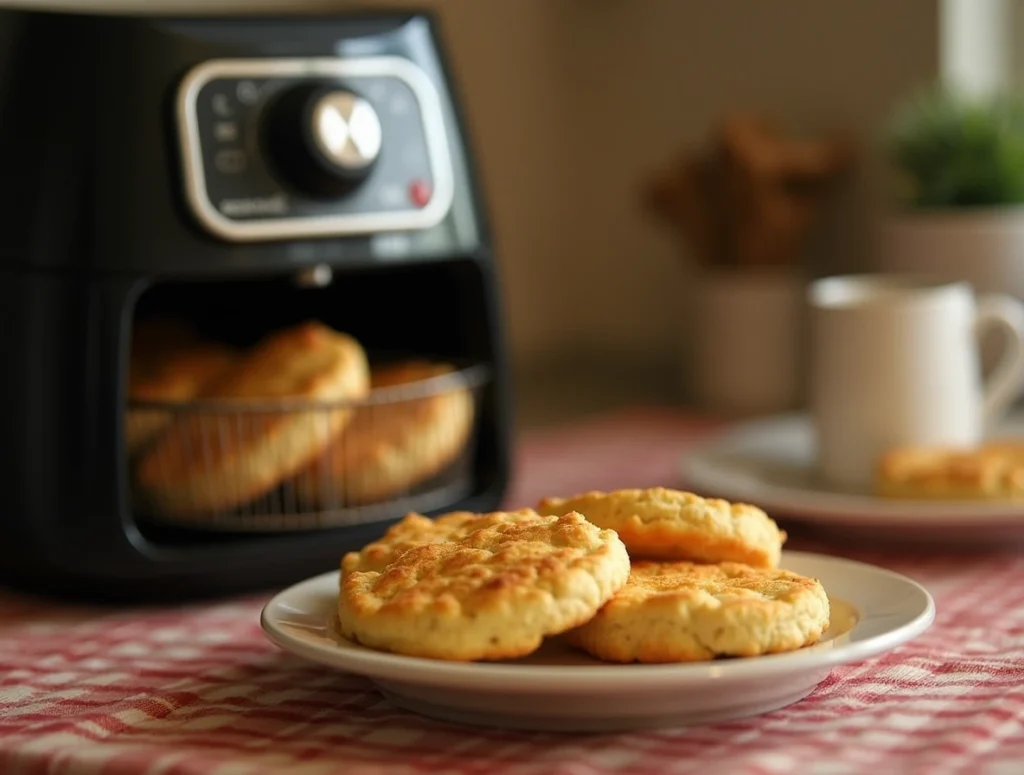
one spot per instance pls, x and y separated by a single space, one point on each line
198 690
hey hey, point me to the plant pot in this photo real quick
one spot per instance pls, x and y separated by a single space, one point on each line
746 345
983 246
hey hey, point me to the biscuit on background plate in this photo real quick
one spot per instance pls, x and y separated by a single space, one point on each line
663 524
417 530
994 471
495 594
687 612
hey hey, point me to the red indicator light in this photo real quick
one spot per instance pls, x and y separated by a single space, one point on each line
419 193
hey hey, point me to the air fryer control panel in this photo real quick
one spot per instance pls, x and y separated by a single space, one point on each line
293 148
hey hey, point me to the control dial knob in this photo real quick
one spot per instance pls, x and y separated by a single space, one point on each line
323 140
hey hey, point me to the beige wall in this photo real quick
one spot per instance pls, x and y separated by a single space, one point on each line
572 101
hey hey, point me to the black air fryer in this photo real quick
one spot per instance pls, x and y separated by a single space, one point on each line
238 177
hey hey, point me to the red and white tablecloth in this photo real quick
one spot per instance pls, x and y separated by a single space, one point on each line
198 690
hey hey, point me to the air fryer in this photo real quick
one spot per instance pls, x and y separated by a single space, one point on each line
239 177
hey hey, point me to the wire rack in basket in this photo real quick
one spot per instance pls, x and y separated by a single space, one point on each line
283 465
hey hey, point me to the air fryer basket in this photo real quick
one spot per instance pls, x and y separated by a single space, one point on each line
406 447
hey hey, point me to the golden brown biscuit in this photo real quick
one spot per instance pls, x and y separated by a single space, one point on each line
494 594
213 461
663 524
417 530
167 369
392 446
685 612
994 471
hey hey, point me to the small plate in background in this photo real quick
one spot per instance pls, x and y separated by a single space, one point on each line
771 464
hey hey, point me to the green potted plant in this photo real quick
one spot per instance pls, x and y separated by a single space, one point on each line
958 166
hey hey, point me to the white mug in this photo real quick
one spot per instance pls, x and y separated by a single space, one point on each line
894 360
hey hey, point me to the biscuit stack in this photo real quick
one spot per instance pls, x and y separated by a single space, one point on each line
652 576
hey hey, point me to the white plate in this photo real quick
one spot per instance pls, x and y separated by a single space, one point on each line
770 463
558 689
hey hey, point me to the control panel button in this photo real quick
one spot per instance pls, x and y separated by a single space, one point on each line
247 92
225 131
323 140
222 106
